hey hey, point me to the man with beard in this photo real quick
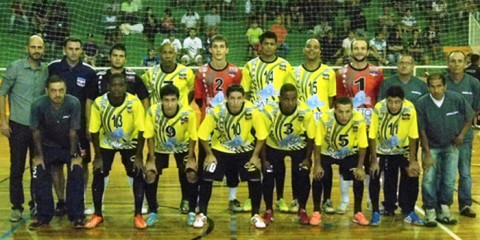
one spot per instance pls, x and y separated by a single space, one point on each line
360 81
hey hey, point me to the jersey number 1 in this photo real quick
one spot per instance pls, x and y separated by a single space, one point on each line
117 121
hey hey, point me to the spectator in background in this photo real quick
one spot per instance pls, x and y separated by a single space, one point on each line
40 18
191 20
344 30
378 47
212 21
248 12
395 46
150 60
110 22
440 11
168 23
19 14
310 13
177 45
331 49
474 69
432 38
192 46
416 48
352 11
387 18
294 14
150 26
58 26
129 12
273 8
279 29
409 23
346 48
113 6
90 50
253 38
359 24
320 31
228 9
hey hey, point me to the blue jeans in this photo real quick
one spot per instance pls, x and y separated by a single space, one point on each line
465 178
439 181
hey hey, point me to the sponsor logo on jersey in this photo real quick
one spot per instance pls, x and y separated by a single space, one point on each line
81 81
130 78
373 72
325 75
406 116
182 76
282 66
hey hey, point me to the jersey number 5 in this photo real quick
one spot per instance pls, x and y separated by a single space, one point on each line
343 138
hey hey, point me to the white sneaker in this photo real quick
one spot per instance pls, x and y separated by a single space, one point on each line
91 209
200 221
258 221
342 208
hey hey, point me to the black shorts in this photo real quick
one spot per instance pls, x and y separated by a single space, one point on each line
276 155
128 157
56 155
162 159
347 165
229 160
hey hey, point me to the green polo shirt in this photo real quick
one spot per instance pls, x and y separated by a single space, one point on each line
443 124
414 89
23 84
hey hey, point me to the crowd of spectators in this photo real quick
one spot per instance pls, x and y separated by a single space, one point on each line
336 23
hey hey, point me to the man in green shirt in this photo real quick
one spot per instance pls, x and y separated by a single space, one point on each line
413 87
469 88
23 82
440 146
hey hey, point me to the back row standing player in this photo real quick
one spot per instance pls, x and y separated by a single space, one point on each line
211 83
316 84
262 79
361 81
170 72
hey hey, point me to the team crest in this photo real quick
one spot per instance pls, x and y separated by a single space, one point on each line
81 81
282 66
325 74
373 73
182 76
248 114
406 116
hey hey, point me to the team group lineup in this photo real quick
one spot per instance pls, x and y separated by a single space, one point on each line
251 120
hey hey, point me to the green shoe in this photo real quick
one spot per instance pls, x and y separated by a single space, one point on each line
235 206
282 205
184 207
247 207
294 207
16 215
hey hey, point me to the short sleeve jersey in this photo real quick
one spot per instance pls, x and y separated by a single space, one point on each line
135 84
118 126
288 132
392 132
209 82
320 83
182 77
233 133
172 134
351 81
337 140
55 124
258 74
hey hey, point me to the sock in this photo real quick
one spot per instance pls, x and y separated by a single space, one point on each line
232 193
344 186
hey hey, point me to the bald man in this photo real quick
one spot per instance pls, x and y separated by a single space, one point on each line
316 84
23 82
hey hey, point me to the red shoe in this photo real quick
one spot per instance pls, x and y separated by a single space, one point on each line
94 222
139 222
303 217
268 216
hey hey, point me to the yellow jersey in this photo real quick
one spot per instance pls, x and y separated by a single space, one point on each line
392 132
118 126
315 87
233 133
288 132
337 140
182 77
264 79
172 134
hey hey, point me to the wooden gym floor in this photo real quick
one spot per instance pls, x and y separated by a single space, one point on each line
118 214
